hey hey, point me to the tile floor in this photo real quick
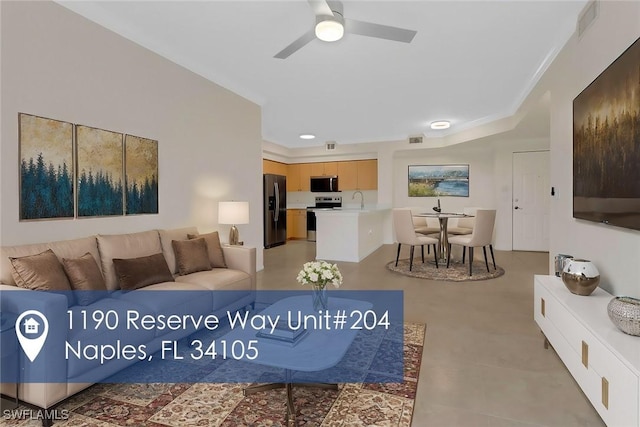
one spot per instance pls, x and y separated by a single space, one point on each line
484 362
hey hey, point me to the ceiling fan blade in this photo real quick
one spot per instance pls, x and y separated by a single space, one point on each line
370 29
320 7
297 44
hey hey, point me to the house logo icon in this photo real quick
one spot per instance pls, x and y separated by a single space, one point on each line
31 326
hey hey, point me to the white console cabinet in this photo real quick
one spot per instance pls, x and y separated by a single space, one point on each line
604 361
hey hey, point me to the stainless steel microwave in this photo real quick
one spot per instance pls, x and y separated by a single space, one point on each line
324 184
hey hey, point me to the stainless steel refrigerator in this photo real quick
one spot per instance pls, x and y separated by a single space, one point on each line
275 210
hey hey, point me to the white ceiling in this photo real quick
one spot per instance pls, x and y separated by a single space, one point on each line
471 62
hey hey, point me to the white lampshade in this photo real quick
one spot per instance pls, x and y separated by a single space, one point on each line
329 30
233 213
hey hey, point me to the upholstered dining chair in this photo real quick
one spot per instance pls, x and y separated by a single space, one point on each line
406 235
426 226
463 225
480 237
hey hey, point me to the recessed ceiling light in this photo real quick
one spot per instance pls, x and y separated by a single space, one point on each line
307 136
440 124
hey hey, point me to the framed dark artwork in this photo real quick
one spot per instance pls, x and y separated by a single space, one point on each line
100 172
141 166
438 180
46 168
606 145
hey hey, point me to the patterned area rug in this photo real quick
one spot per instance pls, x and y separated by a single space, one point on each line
215 404
457 272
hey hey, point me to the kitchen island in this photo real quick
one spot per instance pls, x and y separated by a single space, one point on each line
350 234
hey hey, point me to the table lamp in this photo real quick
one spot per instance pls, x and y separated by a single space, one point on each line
233 213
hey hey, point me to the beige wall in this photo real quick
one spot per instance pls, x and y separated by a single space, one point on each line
490 178
615 251
481 178
59 65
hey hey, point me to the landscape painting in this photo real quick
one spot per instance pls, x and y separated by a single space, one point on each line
606 145
439 181
46 168
141 165
100 174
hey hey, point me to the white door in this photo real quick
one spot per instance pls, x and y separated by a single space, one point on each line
530 205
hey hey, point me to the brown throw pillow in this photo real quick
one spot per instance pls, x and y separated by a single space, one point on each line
216 256
84 276
136 273
41 272
191 256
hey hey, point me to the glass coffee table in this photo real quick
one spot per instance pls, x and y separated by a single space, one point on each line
317 350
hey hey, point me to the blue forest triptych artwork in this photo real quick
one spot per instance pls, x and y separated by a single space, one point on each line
46 168
69 171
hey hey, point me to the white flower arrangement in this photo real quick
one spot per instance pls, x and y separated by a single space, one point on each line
320 274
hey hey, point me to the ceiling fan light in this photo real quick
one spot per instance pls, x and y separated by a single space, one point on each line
329 30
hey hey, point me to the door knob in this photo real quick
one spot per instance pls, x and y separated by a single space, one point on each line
517 207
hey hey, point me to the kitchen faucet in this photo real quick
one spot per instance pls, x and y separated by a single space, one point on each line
361 198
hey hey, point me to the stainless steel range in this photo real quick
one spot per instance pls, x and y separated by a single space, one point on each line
322 203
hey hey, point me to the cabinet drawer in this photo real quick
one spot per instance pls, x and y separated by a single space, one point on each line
542 303
572 330
616 398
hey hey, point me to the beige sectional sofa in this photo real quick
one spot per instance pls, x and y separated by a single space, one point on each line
239 276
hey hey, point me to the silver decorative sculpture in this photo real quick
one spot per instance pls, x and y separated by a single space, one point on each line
624 312
580 276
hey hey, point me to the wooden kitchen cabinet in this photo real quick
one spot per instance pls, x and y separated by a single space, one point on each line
298 175
358 175
368 175
331 168
293 177
324 169
289 223
317 169
347 175
296 223
277 168
305 176
352 175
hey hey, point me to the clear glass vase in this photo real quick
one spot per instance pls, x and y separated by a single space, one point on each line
320 297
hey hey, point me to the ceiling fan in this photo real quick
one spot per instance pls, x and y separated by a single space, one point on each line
331 26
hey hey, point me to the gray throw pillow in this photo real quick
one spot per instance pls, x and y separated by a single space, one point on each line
41 272
216 255
136 273
85 278
191 256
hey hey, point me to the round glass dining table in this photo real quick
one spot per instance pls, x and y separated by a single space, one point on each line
443 219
